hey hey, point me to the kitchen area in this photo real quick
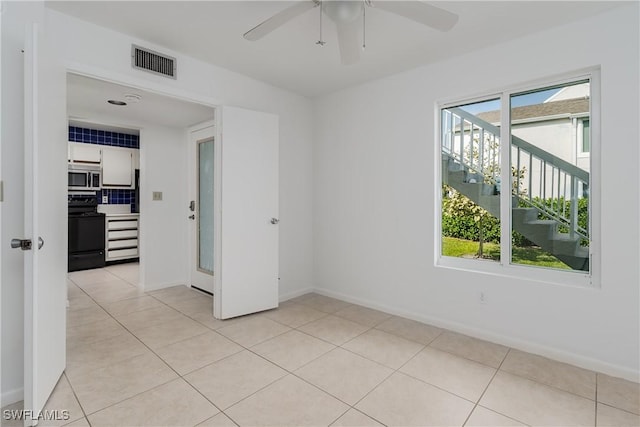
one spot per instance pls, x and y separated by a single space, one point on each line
103 195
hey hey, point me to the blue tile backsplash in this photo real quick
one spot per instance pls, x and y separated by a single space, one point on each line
115 139
103 137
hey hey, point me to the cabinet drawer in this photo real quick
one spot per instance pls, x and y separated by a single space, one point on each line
122 234
122 253
119 224
114 244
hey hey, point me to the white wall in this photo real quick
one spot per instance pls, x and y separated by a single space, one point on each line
374 195
100 49
164 228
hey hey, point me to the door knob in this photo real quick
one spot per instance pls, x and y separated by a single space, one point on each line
192 217
23 244
40 243
274 220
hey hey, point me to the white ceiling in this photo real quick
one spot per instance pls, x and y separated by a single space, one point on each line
289 58
87 102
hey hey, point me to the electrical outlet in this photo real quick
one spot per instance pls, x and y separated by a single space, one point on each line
105 199
483 297
157 195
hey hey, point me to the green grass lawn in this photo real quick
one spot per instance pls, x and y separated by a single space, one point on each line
529 255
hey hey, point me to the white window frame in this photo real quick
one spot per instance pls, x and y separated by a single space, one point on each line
504 267
580 137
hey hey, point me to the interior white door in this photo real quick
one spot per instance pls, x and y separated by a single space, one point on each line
201 207
45 222
247 276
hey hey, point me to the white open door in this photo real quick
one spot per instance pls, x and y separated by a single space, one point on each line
45 225
247 259
202 206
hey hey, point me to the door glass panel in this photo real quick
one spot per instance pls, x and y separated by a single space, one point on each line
550 212
205 206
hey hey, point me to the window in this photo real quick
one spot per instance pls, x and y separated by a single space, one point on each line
584 136
513 192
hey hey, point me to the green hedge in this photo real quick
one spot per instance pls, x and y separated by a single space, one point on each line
461 218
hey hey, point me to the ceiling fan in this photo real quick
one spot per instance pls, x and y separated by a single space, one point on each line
347 14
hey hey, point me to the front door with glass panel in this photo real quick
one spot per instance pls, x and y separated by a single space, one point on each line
201 213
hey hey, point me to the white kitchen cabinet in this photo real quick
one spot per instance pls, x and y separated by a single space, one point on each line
117 167
121 237
80 153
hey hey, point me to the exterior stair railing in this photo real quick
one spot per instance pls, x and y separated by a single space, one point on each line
539 176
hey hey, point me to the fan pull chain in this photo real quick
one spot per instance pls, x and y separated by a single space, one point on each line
321 42
364 26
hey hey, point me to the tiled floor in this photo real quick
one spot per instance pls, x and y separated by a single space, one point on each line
160 359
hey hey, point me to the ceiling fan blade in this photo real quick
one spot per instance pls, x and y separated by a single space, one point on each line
348 42
420 12
279 19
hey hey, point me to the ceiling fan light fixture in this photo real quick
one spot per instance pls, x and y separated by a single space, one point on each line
343 11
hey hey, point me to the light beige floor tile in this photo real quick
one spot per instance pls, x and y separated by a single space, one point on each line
608 416
104 296
62 399
454 374
323 303
86 315
175 403
334 329
120 308
195 304
355 418
483 417
231 379
146 318
220 420
174 293
345 375
363 315
292 349
82 422
302 298
87 333
170 332
194 353
565 377
253 330
104 353
382 347
410 329
10 418
471 348
619 393
211 322
404 401
113 285
103 387
288 402
85 277
294 315
79 301
523 400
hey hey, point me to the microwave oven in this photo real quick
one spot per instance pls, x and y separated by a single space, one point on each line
84 178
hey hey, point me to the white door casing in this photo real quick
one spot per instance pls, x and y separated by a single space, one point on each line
201 270
247 256
45 217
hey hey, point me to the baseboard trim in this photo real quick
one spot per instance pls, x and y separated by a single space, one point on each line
487 335
12 396
295 294
160 286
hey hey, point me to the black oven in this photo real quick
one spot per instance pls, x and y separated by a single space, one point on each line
86 233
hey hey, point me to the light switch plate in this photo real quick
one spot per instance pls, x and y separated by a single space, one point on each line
157 195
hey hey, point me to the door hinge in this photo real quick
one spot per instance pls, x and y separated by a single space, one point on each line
1 191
